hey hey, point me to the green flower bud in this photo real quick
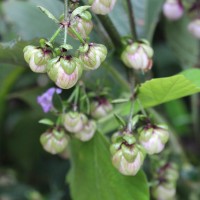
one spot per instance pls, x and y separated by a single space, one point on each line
54 141
138 56
82 24
95 55
127 155
164 191
101 108
87 132
64 71
154 138
171 173
102 7
74 122
37 58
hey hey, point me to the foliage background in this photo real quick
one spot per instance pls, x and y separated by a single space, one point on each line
22 159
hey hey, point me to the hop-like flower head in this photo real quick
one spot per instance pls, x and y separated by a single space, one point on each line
54 141
167 176
173 9
153 138
45 100
65 71
127 155
101 108
93 56
138 56
82 24
194 28
102 7
74 122
37 58
87 132
164 191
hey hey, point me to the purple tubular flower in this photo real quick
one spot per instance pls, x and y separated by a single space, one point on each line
45 100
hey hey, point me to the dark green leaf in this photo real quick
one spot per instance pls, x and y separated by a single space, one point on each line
57 102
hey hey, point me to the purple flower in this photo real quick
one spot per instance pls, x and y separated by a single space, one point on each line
45 100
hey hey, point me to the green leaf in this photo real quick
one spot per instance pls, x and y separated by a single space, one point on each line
48 13
57 102
92 175
161 90
184 45
12 52
28 21
79 10
46 122
146 15
155 92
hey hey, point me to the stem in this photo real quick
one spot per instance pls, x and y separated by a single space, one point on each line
77 35
132 86
131 20
55 34
65 18
112 31
141 108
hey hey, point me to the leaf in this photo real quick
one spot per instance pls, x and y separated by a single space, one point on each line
12 52
28 21
79 10
120 100
48 13
161 90
92 175
46 122
184 45
156 92
146 17
57 102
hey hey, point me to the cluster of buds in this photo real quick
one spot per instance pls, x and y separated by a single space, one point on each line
79 125
138 56
127 155
62 67
54 140
100 108
129 148
167 177
173 9
102 7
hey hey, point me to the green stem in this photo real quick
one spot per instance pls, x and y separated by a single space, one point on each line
132 20
77 35
141 108
65 18
55 34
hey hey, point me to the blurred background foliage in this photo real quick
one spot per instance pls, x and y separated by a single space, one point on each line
26 170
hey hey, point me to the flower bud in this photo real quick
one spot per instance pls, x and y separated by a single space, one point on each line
54 141
173 9
164 191
64 71
153 138
82 24
127 155
37 58
102 7
93 56
194 28
74 122
101 108
87 132
138 56
170 174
